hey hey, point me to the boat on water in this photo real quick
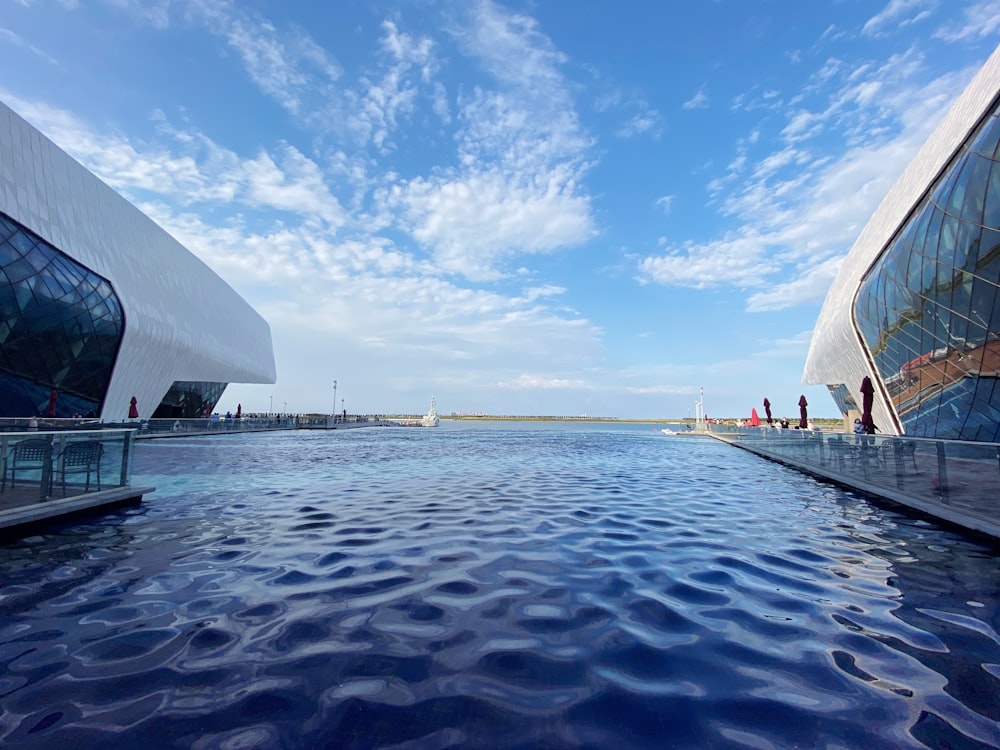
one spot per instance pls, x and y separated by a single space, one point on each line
668 431
430 419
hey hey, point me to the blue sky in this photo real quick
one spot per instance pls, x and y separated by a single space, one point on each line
562 207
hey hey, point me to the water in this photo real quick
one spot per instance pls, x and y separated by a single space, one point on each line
497 585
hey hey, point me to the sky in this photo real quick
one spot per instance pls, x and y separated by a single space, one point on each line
557 207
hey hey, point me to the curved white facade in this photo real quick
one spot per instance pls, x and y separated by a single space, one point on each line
182 321
838 354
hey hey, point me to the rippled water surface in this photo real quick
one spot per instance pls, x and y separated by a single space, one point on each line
489 586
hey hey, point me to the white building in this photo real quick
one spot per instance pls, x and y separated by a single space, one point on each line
99 305
916 305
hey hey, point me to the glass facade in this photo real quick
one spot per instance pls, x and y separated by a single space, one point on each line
929 308
61 326
189 400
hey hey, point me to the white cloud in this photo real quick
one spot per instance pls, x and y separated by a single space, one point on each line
9 37
664 202
536 382
698 101
981 20
897 13
799 210
474 221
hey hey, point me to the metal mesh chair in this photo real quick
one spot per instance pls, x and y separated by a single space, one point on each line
34 454
82 457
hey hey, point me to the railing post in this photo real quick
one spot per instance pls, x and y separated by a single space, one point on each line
942 472
127 442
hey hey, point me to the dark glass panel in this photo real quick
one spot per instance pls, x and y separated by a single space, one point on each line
50 341
7 228
22 242
189 400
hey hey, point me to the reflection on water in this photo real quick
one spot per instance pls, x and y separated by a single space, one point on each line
494 586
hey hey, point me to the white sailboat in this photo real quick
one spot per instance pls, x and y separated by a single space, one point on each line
430 419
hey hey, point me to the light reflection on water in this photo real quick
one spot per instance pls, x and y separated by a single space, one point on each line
494 585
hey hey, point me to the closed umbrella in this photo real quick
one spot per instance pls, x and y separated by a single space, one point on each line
767 410
754 418
53 397
867 398
133 409
803 416
239 411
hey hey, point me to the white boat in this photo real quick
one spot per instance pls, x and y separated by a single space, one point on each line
430 419
668 431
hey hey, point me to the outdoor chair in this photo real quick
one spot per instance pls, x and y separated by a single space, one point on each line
840 451
34 454
902 450
83 457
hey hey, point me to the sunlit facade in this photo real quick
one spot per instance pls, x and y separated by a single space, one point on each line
916 305
100 306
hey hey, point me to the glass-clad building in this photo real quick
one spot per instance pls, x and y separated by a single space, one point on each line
929 309
102 312
916 306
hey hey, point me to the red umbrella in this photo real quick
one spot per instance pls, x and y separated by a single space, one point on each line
239 411
133 410
53 397
803 417
754 418
767 410
867 397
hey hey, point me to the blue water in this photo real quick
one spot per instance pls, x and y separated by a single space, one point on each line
494 585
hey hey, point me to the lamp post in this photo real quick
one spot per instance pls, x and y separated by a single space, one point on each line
284 407
334 401
270 407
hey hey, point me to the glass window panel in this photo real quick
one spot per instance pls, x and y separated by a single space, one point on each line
988 137
977 173
947 239
991 206
22 242
929 247
983 299
942 194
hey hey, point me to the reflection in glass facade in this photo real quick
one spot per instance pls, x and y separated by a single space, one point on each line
843 398
189 400
929 308
60 329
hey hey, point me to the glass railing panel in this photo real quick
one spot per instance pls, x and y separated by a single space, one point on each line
954 476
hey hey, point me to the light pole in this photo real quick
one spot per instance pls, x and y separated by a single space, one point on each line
342 409
270 407
284 407
334 401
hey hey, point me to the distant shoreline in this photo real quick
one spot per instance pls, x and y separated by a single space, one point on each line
672 420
